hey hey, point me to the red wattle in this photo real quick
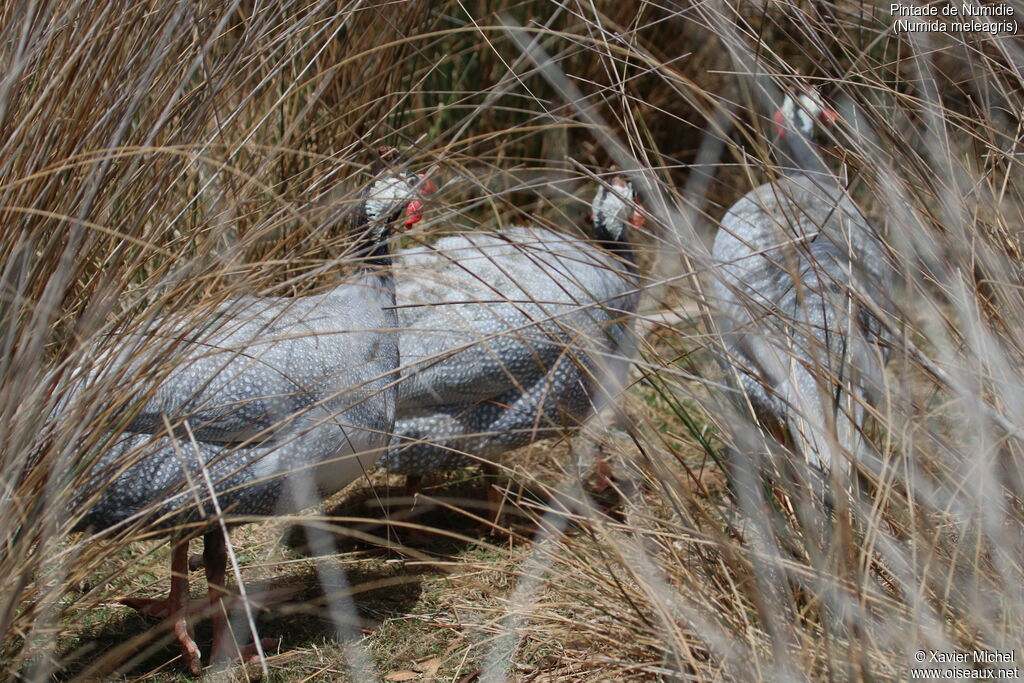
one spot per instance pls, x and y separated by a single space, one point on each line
638 219
780 122
427 186
413 213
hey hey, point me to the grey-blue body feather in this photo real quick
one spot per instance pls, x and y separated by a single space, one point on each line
504 339
788 256
272 391
276 401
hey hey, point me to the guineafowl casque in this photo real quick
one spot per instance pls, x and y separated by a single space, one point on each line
503 334
275 403
806 350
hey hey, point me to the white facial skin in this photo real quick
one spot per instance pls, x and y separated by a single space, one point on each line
801 110
611 208
389 194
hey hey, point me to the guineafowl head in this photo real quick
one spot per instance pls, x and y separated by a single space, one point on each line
395 193
396 190
800 109
615 206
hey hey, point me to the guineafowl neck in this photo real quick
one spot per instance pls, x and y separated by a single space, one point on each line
621 247
377 256
380 278
386 279
624 249
797 155
374 252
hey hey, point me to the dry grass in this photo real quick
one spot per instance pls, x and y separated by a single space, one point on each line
159 158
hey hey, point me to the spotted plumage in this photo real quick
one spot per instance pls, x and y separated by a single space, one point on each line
788 253
279 400
502 335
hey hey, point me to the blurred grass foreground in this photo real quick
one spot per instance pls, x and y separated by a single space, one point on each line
158 159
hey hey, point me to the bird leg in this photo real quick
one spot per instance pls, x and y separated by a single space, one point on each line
404 512
177 603
174 606
215 562
413 485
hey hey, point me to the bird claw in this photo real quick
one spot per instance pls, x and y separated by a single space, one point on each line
160 608
193 658
250 652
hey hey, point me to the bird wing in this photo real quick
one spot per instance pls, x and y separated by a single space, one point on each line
254 362
480 315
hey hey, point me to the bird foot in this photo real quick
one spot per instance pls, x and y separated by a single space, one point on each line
160 608
154 608
268 645
193 658
223 654
189 649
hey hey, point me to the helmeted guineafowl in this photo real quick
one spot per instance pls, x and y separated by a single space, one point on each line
505 336
272 403
787 254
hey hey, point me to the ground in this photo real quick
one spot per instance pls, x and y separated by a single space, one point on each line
430 600
427 612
